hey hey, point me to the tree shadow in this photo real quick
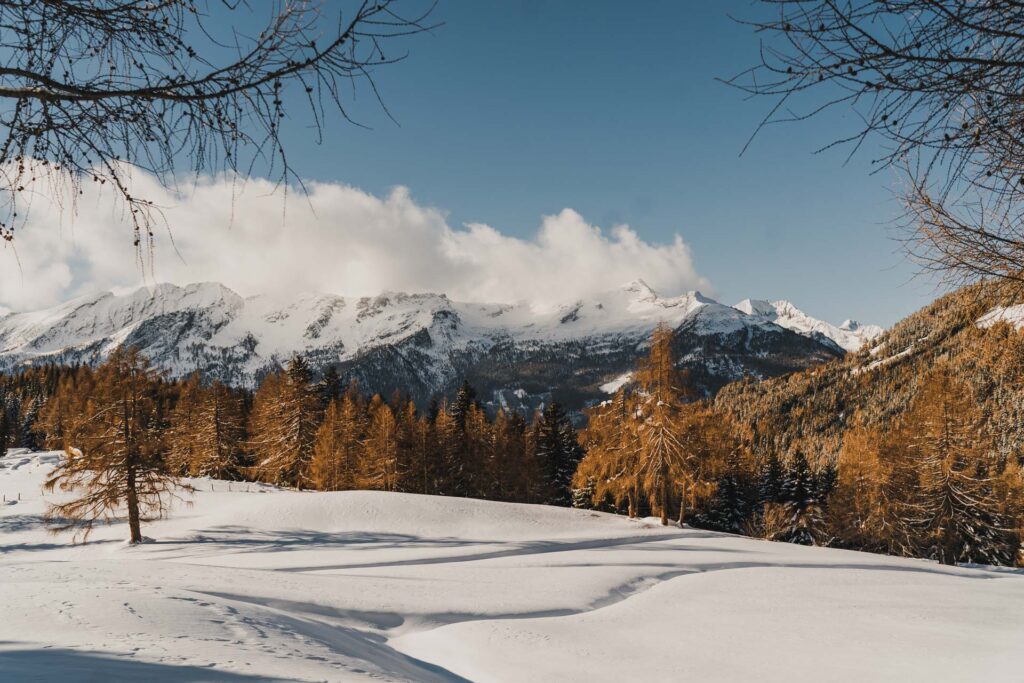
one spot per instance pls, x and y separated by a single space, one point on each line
527 548
26 522
242 539
59 664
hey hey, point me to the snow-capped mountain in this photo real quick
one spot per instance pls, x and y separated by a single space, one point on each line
517 356
850 336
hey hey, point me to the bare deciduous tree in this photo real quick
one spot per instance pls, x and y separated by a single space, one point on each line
92 88
941 82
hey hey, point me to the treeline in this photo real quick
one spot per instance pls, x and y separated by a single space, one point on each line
934 483
297 432
22 396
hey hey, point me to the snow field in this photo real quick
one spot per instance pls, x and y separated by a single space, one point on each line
261 584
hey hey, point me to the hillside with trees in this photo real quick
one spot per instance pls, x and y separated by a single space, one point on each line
812 411
911 447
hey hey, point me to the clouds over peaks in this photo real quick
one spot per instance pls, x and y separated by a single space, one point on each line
335 238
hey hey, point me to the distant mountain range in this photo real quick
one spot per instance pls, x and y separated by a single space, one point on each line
516 355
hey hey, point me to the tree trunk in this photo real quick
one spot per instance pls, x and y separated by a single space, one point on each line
666 491
682 507
132 497
133 508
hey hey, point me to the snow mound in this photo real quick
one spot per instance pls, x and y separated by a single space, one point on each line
254 583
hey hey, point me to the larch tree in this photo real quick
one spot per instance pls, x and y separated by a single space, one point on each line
860 511
448 447
114 452
379 464
611 466
337 450
662 461
710 441
952 512
218 431
649 444
181 436
68 400
285 419
478 452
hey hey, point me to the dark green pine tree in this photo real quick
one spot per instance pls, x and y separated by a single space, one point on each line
5 428
803 507
733 503
13 415
558 452
770 480
464 399
330 386
30 438
825 481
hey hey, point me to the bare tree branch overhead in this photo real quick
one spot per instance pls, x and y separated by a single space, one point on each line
90 89
941 83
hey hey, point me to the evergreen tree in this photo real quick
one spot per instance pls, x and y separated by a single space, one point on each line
5 429
732 504
802 505
464 400
771 478
558 453
513 472
330 385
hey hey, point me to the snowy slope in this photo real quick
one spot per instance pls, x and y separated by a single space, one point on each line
1011 315
254 584
420 343
849 336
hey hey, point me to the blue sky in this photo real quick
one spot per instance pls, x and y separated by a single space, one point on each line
516 109
513 111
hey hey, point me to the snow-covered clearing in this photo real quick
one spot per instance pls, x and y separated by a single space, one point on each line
259 584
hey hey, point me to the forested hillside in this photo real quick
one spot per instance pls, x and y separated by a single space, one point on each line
911 447
811 411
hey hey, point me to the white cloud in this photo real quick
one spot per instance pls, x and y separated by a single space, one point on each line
335 239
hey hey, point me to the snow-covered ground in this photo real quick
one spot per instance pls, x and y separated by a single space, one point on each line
254 583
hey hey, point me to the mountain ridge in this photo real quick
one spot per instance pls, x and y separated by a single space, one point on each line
420 343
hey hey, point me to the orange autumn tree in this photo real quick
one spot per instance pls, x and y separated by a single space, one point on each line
636 449
114 450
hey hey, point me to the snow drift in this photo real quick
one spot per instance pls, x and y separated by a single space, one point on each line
255 583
